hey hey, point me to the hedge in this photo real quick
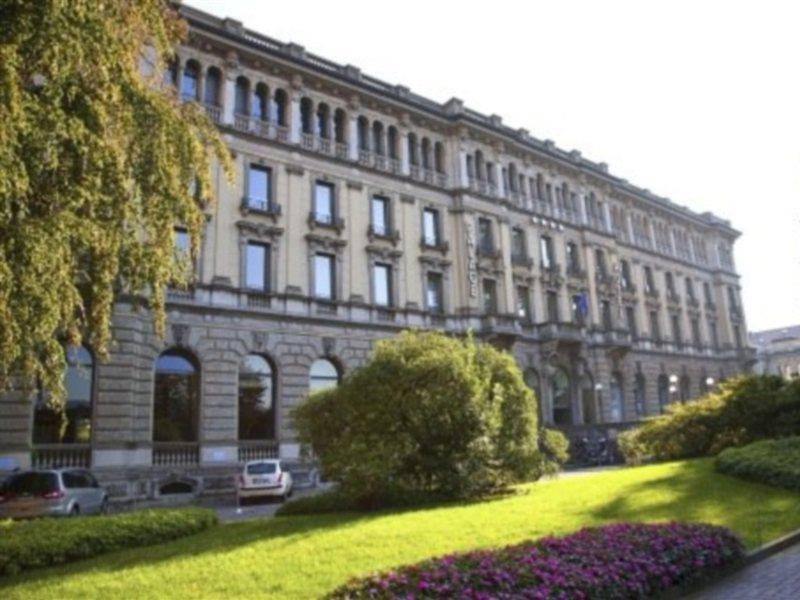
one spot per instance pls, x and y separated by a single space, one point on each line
741 411
774 462
43 542
615 561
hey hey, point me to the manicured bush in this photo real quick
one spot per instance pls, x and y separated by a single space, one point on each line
742 411
428 413
555 447
616 561
44 542
774 462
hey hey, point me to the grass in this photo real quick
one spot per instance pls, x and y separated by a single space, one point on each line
306 556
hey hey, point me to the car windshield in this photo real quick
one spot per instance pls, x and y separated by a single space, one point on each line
264 468
31 483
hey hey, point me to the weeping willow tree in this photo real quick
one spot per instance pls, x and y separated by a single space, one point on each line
98 163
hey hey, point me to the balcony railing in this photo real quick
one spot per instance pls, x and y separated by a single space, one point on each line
381 232
316 219
53 456
435 244
521 260
259 299
486 251
259 206
214 112
176 453
257 450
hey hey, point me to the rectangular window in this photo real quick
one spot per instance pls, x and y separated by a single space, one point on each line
625 275
485 239
324 276
257 266
259 187
518 249
552 307
655 330
677 337
605 311
650 286
670 283
573 260
546 246
600 260
382 282
323 203
430 227
695 332
489 296
712 334
523 302
380 215
577 311
630 317
707 293
433 293
689 289
183 244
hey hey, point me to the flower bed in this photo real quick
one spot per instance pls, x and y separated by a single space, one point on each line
616 561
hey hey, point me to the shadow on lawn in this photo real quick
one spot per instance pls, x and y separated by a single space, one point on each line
224 538
695 492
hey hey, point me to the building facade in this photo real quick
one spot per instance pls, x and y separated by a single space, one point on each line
777 351
359 209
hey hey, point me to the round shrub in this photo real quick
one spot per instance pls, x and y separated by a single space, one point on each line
616 561
774 462
741 411
555 447
427 413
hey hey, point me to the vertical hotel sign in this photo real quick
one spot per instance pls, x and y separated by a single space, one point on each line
472 260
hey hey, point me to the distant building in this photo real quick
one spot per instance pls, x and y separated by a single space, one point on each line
777 351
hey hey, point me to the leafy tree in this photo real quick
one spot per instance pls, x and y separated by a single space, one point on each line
427 413
97 162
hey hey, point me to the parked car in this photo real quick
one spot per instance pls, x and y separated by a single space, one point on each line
263 478
50 493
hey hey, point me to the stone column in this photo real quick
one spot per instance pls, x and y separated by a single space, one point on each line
352 144
295 124
228 95
462 165
498 177
405 166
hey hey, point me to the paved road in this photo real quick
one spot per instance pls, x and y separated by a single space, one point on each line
257 509
775 578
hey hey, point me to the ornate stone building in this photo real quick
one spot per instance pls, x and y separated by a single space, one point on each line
777 351
358 209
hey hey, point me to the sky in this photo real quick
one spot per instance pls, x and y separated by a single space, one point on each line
697 101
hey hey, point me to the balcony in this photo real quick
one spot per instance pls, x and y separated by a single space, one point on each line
651 292
486 251
521 260
381 232
325 220
260 207
438 245
54 456
176 453
575 272
566 332
259 299
692 302
214 112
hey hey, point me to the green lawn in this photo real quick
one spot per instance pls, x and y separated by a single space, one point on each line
302 557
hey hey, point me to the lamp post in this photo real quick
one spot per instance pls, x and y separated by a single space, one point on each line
673 387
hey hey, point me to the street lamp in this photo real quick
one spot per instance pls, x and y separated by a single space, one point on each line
710 381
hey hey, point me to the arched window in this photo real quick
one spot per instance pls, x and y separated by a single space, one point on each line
260 103
176 402
323 374
562 400
426 153
413 149
48 427
663 392
212 89
240 97
340 126
256 399
639 391
323 121
391 142
685 388
438 157
363 134
588 400
617 398
189 84
377 138
279 108
306 112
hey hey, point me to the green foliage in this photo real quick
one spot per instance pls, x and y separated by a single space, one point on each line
336 501
428 413
774 462
743 410
96 162
44 542
555 447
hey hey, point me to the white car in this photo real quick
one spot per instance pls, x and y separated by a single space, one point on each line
261 478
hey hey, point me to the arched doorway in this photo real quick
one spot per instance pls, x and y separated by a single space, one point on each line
561 397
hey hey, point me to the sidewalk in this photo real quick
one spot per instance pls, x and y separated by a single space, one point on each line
774 578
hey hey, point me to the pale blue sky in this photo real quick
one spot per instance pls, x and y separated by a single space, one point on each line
697 101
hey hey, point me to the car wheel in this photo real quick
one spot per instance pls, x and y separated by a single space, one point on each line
75 510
